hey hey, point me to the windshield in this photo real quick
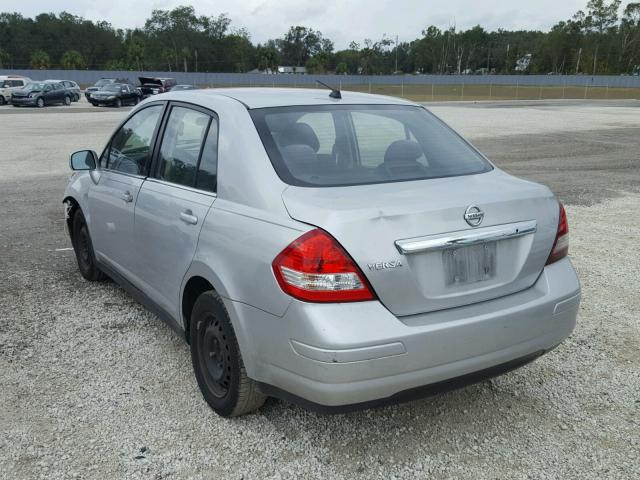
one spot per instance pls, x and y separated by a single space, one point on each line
111 88
103 82
35 86
334 145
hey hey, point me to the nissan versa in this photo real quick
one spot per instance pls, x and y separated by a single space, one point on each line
335 250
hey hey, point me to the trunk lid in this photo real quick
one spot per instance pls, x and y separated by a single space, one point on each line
385 226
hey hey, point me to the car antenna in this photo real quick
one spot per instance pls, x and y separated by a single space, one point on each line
335 93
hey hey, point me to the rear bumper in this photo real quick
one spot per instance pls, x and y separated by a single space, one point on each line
348 354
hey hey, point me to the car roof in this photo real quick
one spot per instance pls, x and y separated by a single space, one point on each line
283 97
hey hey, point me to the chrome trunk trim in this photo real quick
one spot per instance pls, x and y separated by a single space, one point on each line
466 237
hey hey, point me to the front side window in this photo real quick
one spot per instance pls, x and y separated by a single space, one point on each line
130 148
182 144
335 145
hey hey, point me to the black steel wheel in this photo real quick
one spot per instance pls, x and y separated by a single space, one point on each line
217 362
83 248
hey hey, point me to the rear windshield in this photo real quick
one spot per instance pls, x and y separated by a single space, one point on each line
335 145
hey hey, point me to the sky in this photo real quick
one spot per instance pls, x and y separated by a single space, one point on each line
341 21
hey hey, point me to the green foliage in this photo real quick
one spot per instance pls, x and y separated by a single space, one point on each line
72 60
40 60
603 38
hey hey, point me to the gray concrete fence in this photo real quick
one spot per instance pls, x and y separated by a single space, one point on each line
88 77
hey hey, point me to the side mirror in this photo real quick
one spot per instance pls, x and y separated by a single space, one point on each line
83 160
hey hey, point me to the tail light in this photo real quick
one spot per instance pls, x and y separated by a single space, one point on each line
561 244
315 268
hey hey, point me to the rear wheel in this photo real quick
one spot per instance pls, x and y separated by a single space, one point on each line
117 103
40 102
84 249
217 362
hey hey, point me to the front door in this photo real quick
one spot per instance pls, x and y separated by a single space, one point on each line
112 199
172 206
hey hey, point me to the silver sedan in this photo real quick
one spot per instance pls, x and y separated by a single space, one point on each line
335 250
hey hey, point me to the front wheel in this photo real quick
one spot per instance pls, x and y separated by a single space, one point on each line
83 248
40 102
217 362
117 103
67 101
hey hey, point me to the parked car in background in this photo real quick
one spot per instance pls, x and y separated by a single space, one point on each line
155 85
72 87
115 95
9 84
102 82
183 87
361 252
40 94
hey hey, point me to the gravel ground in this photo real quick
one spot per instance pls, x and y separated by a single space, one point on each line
94 386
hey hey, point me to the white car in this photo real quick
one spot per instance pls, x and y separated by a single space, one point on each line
9 84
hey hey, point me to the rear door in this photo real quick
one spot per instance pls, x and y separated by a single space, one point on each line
123 167
174 202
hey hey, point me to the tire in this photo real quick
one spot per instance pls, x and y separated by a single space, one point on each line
2 100
67 101
217 362
40 102
136 100
117 103
83 248
76 98
94 104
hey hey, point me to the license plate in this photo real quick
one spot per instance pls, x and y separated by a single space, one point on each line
476 263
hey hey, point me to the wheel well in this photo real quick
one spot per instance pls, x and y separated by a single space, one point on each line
192 290
73 206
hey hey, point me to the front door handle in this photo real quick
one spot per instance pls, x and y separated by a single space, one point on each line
188 217
127 197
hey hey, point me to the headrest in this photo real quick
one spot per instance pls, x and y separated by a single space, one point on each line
299 134
403 151
299 158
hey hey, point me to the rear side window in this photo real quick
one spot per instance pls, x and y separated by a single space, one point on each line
130 148
335 145
208 169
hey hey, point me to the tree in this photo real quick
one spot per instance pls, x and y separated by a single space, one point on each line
72 60
268 57
40 60
630 38
4 58
601 17
597 39
299 44
341 68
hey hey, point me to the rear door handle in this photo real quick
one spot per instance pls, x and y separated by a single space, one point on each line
127 197
188 217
